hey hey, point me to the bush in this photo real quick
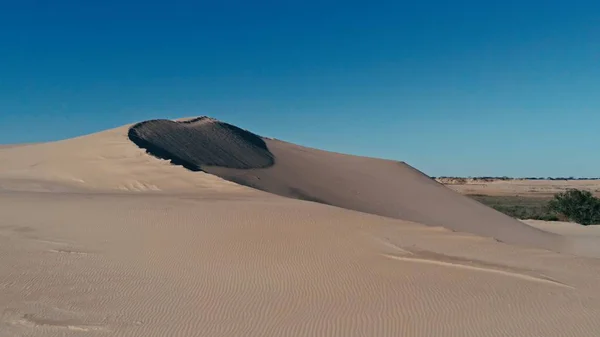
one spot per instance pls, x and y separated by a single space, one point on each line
578 206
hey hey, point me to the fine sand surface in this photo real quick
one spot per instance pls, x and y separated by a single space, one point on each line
98 238
565 228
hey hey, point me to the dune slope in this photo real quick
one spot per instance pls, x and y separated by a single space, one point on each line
382 187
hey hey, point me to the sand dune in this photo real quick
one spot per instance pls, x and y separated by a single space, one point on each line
376 186
124 244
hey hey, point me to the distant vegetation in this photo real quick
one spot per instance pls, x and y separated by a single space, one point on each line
519 207
572 205
578 206
515 178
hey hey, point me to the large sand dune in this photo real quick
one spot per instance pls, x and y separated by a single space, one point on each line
121 243
376 186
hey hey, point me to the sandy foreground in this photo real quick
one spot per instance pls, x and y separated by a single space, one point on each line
97 238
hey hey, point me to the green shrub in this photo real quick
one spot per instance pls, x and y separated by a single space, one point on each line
578 206
519 207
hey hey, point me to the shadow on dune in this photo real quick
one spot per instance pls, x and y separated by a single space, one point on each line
201 142
383 187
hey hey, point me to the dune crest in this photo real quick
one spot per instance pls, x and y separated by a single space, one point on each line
106 161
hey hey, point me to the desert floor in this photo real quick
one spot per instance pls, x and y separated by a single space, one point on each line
150 249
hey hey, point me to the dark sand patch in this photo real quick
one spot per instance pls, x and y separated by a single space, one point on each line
202 142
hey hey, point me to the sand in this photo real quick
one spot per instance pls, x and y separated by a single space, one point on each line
98 238
370 185
201 142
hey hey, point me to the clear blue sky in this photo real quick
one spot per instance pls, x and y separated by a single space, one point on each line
451 87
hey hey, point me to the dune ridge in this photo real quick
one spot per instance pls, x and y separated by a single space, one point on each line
103 162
